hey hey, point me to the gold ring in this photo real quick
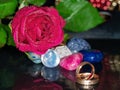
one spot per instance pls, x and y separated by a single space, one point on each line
88 75
86 78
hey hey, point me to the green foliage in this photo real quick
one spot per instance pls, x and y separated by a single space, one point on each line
80 15
3 36
66 37
7 7
37 2
10 40
33 2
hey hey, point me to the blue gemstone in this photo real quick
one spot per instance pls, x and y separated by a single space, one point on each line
51 74
36 58
92 56
78 44
50 59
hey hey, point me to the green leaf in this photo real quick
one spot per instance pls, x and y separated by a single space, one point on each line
35 2
7 7
80 15
3 36
66 37
10 40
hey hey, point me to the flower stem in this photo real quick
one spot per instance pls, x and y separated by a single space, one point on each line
22 4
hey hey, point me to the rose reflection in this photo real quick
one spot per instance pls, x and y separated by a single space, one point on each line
51 74
68 74
26 82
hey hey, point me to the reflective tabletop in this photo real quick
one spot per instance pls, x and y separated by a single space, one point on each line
17 72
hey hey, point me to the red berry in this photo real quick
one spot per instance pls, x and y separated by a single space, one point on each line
101 4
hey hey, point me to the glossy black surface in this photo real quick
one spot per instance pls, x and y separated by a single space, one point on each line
17 72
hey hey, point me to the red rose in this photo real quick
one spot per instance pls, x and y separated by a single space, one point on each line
36 29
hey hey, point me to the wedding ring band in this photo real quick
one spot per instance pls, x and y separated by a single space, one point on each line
86 78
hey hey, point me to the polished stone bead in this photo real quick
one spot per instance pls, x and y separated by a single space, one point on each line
63 51
36 58
51 74
78 44
50 59
92 56
71 62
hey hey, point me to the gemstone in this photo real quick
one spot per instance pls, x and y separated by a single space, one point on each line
93 56
72 61
35 58
63 51
78 44
50 59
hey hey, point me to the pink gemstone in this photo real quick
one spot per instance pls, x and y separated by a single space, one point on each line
71 62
